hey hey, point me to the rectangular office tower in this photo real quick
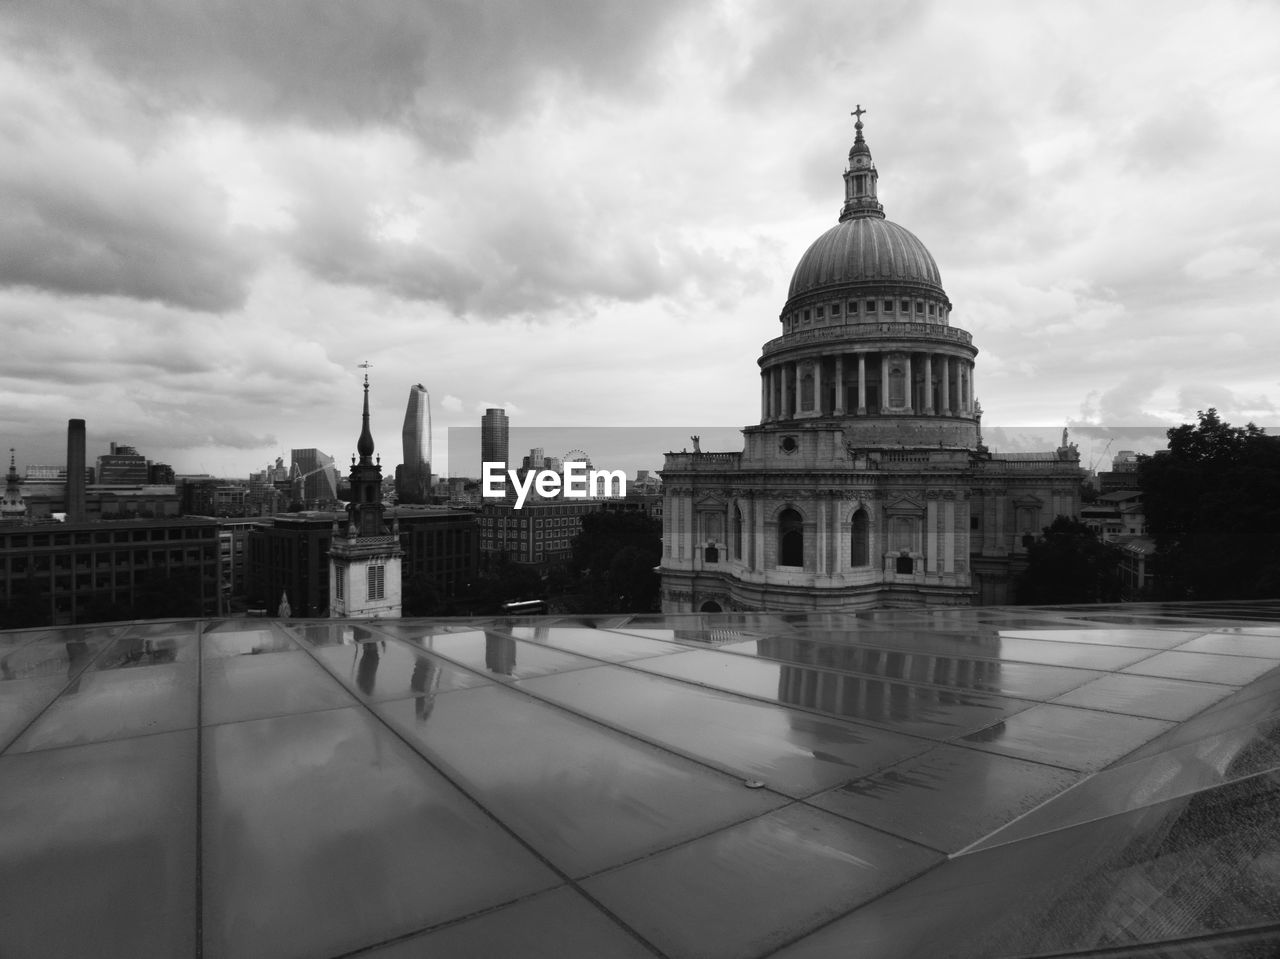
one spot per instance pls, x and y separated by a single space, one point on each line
493 437
75 494
413 479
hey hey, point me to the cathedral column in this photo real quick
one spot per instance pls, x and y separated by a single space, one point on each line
817 386
928 382
911 387
795 397
949 536
839 548
884 382
946 386
820 537
931 536
862 383
839 408
764 394
758 558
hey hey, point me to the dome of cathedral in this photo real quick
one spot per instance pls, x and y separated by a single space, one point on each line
866 251
865 254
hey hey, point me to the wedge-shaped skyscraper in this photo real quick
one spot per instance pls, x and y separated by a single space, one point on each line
414 478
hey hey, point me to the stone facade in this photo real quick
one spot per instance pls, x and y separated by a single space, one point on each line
866 482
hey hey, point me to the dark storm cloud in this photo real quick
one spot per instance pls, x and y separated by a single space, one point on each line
442 68
113 232
444 73
515 269
549 246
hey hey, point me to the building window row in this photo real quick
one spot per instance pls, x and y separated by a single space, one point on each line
790 541
902 308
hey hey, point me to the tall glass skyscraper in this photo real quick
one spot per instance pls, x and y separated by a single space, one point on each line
493 437
414 477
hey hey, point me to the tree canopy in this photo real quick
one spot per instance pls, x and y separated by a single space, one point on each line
1212 504
503 581
614 555
1069 564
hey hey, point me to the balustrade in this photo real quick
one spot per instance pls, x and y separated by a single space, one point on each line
870 331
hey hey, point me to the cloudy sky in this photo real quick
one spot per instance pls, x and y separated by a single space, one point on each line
588 211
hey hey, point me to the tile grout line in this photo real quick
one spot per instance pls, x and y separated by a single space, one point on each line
199 890
790 800
564 877
516 686
71 680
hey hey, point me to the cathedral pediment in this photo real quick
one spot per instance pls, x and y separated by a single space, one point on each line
905 504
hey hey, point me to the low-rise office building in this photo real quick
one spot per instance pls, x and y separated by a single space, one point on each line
76 571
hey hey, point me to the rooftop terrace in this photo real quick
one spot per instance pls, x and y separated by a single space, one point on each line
975 782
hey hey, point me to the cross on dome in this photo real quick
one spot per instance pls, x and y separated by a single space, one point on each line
857 124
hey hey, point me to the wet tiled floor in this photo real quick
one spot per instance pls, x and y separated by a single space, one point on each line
976 782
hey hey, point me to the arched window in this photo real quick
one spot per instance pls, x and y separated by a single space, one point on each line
710 606
790 538
737 533
860 540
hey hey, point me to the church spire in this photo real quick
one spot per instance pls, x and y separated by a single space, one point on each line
860 177
365 559
364 446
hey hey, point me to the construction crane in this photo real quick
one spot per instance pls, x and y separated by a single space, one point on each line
298 479
1094 465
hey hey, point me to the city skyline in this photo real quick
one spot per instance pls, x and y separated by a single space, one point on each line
596 225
